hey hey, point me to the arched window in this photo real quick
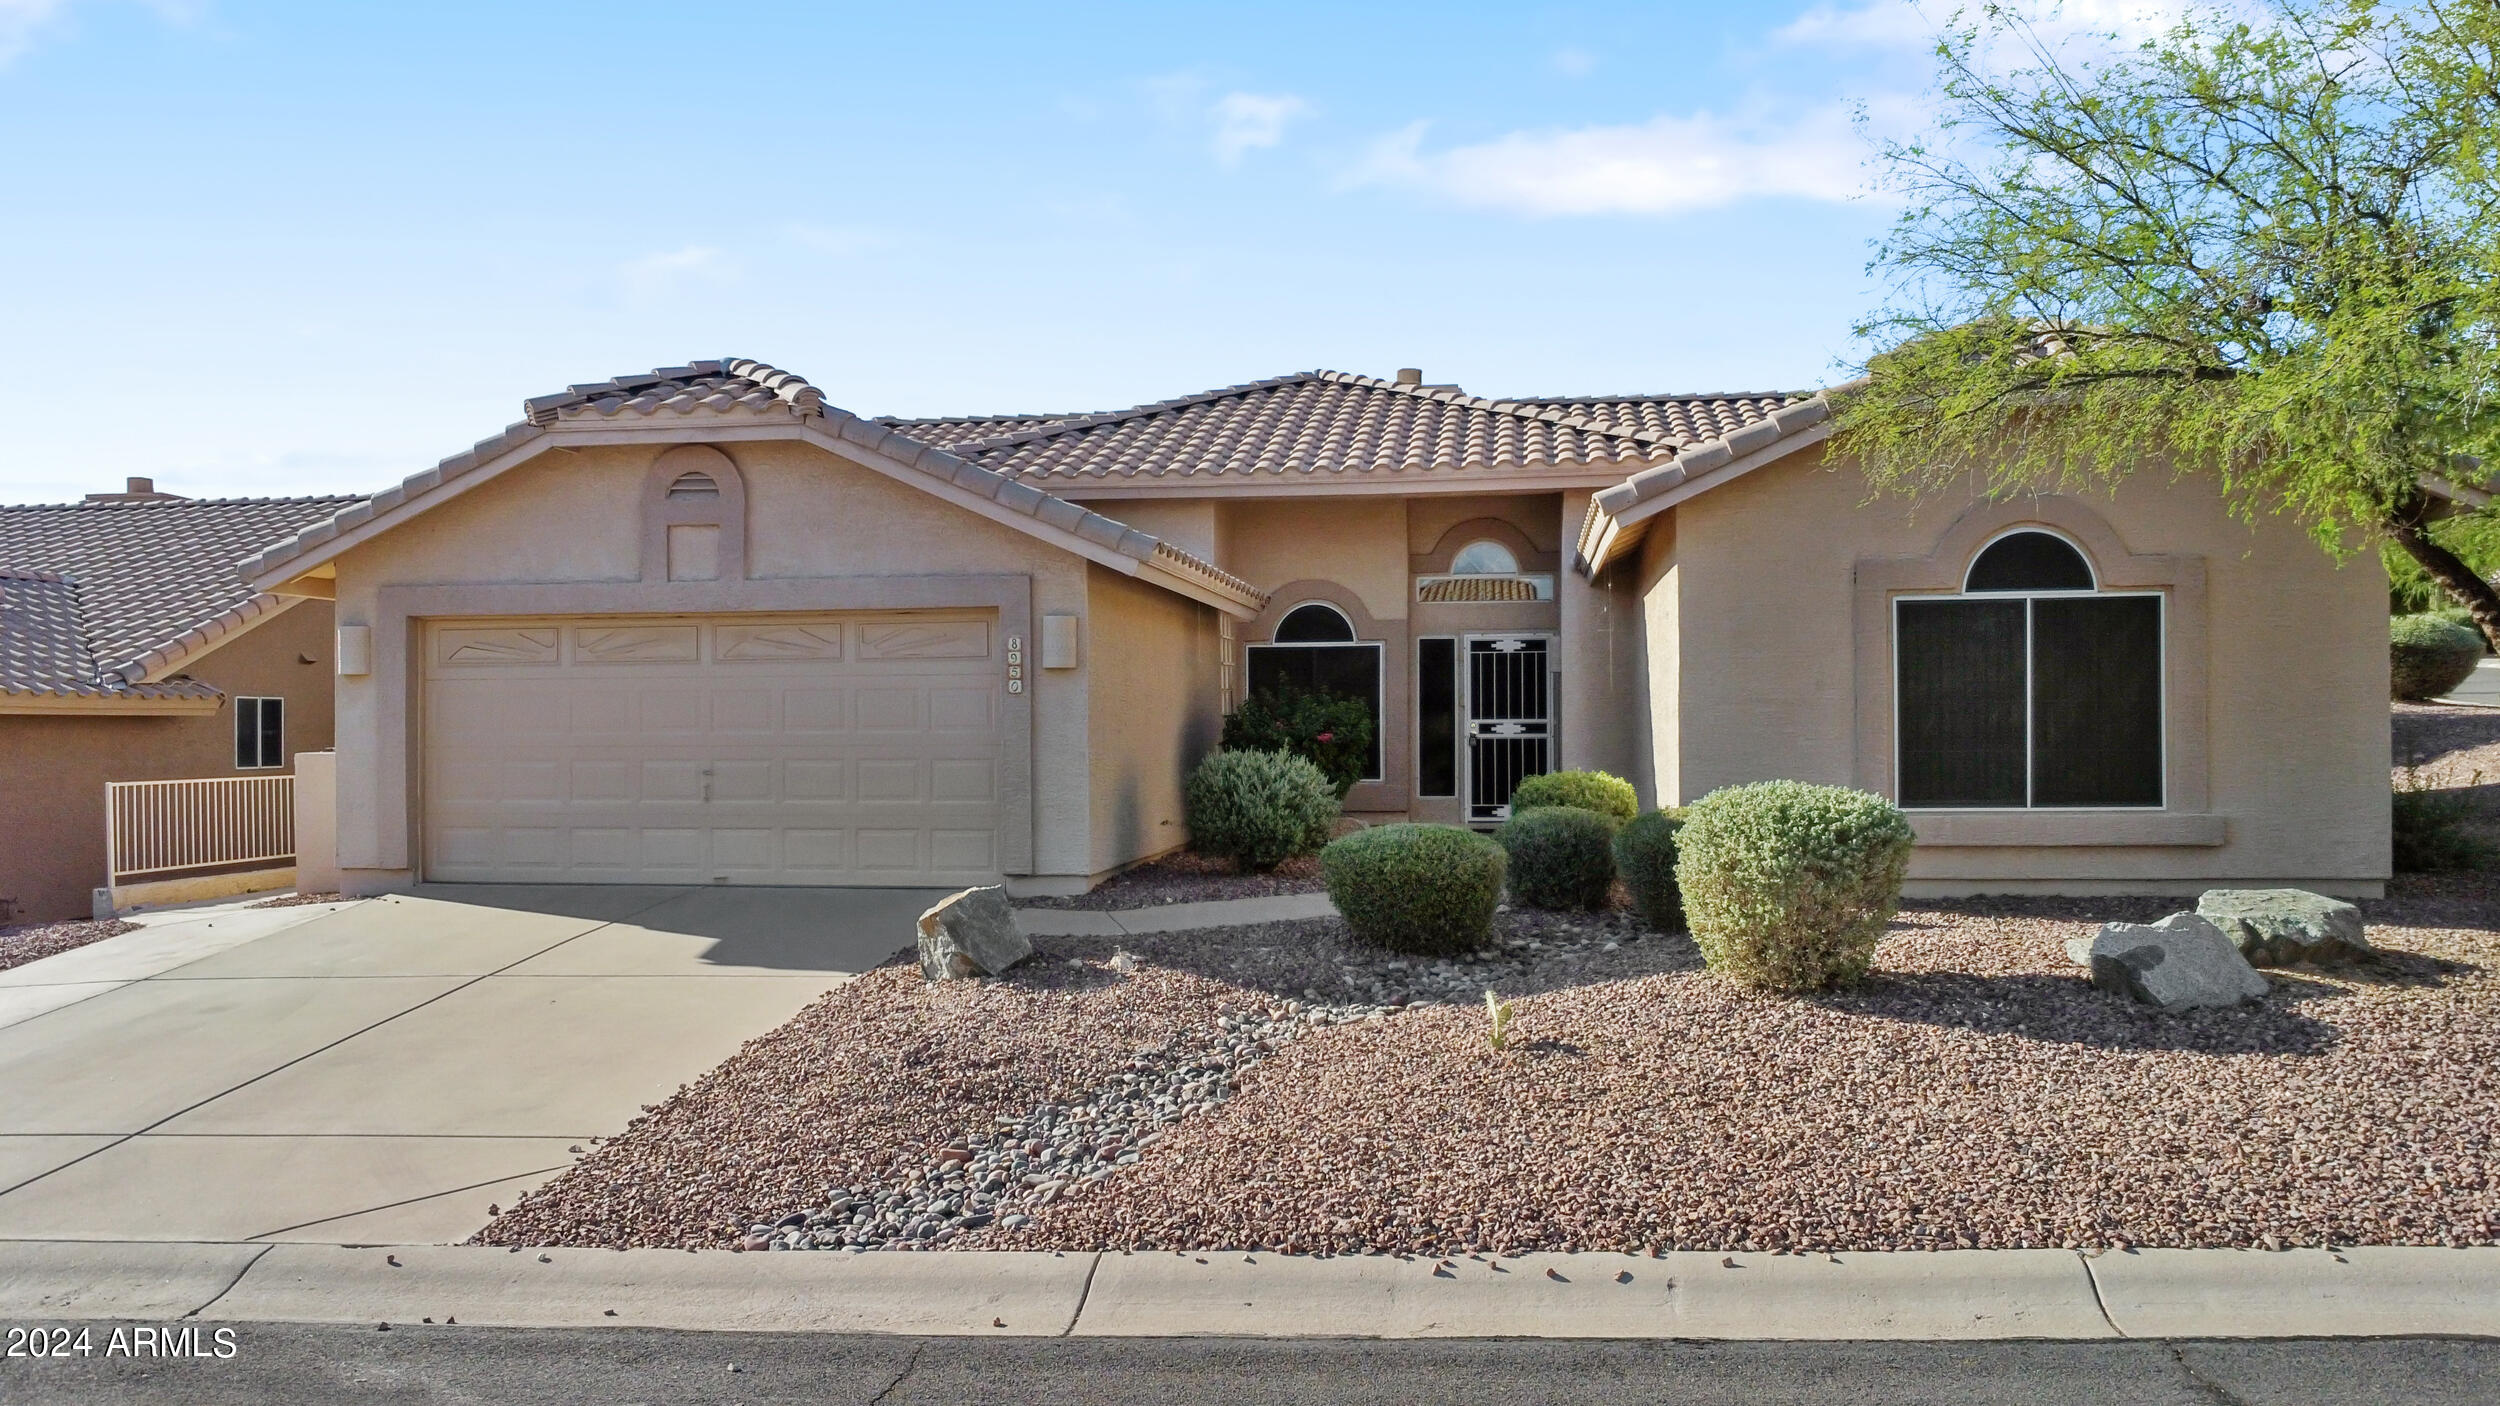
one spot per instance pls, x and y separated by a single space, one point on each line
1485 558
2029 561
2033 688
1314 651
1315 623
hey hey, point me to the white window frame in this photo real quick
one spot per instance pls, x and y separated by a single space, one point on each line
2030 756
261 702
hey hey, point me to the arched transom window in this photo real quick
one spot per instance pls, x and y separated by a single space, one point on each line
2032 688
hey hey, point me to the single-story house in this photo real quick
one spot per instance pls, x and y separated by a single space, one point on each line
130 650
700 626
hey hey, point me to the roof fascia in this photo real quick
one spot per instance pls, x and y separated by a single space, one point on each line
1734 469
103 705
207 637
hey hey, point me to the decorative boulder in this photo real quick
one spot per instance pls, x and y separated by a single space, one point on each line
970 934
2180 963
2277 927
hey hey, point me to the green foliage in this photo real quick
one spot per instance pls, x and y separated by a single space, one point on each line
1645 856
2474 537
1259 809
2256 248
1560 857
2428 656
1415 888
1788 885
1610 796
2431 827
1334 731
1497 1014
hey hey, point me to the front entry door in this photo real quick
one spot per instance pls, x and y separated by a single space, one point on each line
1510 719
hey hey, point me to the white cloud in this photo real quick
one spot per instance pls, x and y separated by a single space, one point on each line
1252 121
1914 24
1669 165
661 272
19 22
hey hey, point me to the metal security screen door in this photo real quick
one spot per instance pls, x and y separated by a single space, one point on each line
1510 719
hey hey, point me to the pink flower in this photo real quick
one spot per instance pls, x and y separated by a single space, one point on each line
1328 737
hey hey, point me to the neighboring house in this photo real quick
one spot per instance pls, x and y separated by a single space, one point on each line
131 650
699 626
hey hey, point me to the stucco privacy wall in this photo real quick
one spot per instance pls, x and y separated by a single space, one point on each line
54 767
1150 661
822 533
1758 590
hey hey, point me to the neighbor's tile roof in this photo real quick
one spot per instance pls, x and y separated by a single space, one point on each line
1678 419
949 431
1319 425
96 594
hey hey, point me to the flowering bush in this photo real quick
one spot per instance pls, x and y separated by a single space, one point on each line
1333 731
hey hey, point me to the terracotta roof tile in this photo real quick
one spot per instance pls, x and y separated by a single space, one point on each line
1678 419
950 431
1316 425
91 593
1476 589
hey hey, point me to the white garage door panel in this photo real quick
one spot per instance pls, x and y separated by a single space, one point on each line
816 750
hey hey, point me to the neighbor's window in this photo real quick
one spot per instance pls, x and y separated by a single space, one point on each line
1315 650
2032 688
259 733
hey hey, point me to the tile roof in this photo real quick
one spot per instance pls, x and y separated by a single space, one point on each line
738 388
100 595
949 431
1678 419
1318 426
1476 589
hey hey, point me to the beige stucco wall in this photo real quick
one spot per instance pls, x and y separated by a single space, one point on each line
1149 660
1195 525
575 516
1752 588
52 853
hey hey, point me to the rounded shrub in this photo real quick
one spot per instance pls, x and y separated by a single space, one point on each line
2428 656
1259 809
1788 886
1415 888
1645 856
1560 856
1609 796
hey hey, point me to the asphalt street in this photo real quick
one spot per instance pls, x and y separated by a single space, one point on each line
441 1364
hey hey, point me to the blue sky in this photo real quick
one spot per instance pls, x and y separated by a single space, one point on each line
260 248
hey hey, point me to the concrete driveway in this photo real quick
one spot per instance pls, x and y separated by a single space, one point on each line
381 1072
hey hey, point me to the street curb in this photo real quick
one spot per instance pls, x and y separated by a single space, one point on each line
1949 1296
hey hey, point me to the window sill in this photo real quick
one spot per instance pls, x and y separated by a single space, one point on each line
1972 829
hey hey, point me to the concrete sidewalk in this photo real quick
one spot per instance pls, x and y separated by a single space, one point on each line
1172 917
1959 1295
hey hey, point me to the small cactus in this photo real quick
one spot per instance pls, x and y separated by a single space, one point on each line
1498 1012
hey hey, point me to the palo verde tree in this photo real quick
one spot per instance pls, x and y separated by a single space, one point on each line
2261 246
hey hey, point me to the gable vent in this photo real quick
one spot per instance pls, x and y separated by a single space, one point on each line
694 485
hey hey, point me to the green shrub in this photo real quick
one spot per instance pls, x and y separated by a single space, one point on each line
1560 857
1645 855
1415 888
1789 886
1330 729
2462 618
1609 796
2428 656
2431 826
1259 809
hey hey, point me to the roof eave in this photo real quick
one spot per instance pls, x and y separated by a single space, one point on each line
109 704
1617 516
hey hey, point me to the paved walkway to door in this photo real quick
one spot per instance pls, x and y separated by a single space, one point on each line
383 1071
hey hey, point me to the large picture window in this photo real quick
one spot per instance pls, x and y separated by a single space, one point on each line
1315 650
2033 688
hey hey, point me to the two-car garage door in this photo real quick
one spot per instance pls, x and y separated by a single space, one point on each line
824 749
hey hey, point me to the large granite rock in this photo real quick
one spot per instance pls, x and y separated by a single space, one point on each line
2180 963
971 934
2277 927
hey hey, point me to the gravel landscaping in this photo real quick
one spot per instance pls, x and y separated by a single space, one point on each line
28 942
1975 1092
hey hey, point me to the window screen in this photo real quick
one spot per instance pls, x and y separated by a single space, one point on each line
2096 701
259 733
1961 702
1352 671
1436 717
